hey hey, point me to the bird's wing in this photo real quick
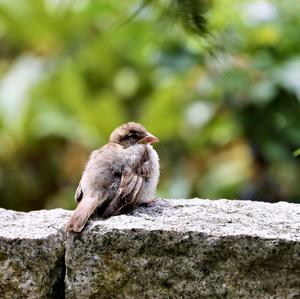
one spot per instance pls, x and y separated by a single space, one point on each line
127 193
137 169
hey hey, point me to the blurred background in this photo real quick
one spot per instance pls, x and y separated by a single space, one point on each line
218 82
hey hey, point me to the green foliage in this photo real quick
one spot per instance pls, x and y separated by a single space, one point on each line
297 152
217 82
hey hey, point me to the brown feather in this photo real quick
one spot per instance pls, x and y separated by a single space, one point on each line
120 175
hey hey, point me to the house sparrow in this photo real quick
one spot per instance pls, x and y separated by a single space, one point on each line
120 175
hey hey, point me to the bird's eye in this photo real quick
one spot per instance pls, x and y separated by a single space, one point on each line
132 135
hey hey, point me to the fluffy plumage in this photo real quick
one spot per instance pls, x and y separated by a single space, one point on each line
120 175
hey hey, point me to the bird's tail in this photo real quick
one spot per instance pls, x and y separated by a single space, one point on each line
82 213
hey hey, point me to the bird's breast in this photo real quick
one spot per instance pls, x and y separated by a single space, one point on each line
149 185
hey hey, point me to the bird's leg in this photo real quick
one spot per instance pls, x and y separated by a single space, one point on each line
145 170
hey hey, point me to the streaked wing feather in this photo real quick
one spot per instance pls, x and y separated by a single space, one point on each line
129 188
137 189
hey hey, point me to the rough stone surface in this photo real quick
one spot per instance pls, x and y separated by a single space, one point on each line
174 249
32 254
188 249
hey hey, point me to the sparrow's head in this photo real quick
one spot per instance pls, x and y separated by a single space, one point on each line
130 134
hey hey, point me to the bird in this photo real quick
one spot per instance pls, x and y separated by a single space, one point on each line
120 175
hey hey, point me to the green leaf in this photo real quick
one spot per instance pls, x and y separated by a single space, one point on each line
296 152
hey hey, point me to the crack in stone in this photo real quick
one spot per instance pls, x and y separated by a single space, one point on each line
174 249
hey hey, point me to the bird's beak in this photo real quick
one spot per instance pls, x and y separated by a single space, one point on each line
149 139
